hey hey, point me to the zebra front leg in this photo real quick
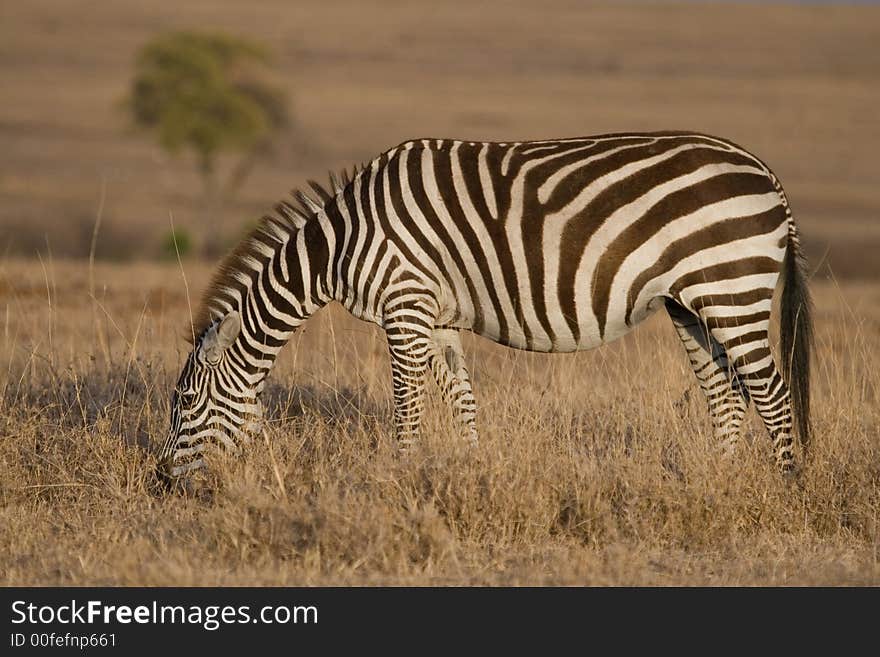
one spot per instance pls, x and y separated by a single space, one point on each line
727 398
448 367
408 328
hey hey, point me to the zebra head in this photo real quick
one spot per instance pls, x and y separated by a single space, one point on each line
211 403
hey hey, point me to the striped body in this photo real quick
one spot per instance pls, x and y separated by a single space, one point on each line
551 246
556 246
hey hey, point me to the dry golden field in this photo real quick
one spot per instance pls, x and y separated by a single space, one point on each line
595 468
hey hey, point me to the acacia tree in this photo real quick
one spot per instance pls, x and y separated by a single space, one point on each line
209 94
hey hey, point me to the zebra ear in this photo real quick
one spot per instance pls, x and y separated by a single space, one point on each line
220 337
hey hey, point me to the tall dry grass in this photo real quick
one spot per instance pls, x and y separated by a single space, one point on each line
594 468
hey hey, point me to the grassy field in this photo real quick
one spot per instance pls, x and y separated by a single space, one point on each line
594 468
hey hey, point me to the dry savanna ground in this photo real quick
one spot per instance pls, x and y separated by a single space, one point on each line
594 468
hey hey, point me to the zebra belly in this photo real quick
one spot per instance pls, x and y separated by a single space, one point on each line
618 326
519 336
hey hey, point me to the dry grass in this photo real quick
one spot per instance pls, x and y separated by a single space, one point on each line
595 468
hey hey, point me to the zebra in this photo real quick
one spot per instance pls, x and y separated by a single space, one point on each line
554 246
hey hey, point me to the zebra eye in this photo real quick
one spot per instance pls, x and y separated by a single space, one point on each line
187 392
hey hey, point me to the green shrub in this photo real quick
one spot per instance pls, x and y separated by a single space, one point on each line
176 242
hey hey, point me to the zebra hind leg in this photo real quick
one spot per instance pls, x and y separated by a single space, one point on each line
748 346
727 398
448 368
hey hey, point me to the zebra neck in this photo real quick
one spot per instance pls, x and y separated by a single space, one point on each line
281 291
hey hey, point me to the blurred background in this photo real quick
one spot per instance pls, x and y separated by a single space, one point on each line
90 125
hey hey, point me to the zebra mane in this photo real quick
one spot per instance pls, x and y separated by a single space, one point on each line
288 218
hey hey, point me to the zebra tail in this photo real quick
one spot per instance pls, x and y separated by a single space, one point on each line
797 331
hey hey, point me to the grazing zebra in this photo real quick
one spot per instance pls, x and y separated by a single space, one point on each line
550 246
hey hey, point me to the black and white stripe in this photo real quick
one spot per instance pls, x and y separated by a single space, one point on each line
552 246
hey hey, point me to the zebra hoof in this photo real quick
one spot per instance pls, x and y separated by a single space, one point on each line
727 448
790 472
165 483
407 446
